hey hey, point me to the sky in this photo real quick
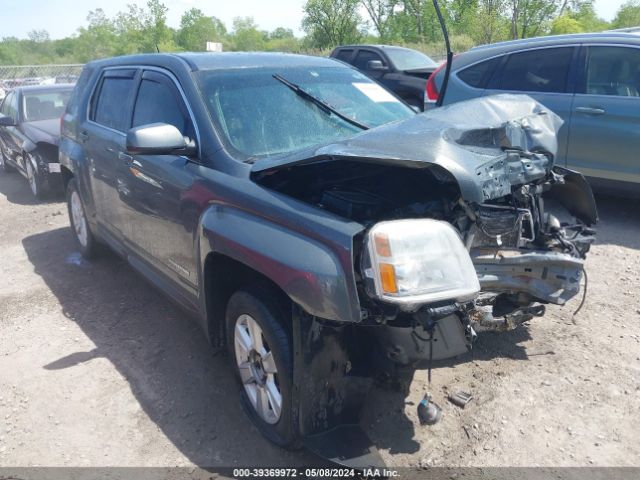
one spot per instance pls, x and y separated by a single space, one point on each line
61 18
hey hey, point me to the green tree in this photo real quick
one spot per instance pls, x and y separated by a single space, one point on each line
530 18
98 40
381 14
196 29
628 15
332 22
245 35
565 24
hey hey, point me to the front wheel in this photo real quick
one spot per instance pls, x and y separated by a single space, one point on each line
34 178
260 348
4 166
85 240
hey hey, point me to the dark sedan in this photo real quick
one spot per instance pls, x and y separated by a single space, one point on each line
29 132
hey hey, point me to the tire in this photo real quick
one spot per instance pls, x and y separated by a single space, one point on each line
33 177
6 168
85 240
268 361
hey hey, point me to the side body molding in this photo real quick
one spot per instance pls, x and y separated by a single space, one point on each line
309 271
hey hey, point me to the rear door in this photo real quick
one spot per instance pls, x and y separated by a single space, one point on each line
546 74
104 137
604 139
164 203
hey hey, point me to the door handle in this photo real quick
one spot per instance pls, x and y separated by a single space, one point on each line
125 157
84 136
591 110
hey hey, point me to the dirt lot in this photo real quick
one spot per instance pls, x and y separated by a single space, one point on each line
97 368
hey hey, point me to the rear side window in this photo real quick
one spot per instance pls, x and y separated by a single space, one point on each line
478 75
364 57
543 70
158 102
110 107
344 55
613 71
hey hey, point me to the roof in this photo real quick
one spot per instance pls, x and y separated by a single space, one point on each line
370 45
607 37
225 60
43 88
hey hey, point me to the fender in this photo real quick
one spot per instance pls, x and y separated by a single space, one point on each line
308 271
28 146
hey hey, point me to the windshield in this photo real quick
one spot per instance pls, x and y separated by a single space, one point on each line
405 59
45 105
259 116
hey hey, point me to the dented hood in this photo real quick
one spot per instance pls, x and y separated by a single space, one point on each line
487 144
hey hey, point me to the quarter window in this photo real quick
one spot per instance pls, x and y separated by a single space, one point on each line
111 105
613 71
478 75
543 70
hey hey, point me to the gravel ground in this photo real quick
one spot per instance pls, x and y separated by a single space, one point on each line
98 369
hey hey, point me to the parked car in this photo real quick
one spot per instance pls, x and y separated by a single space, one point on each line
592 81
29 133
402 70
313 225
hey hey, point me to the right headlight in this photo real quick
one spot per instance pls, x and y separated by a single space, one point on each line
413 262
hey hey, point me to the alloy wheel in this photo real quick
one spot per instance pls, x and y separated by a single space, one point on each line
77 216
257 368
31 176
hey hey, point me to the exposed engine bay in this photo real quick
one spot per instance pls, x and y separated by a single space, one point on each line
486 168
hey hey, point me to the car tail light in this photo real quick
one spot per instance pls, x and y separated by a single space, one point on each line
432 92
432 89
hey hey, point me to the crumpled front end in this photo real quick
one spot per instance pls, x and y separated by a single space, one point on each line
484 167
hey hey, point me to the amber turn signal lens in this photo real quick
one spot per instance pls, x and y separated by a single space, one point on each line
388 278
383 247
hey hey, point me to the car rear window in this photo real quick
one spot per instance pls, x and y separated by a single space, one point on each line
478 75
541 70
45 105
110 109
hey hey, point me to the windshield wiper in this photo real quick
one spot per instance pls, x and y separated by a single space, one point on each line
321 104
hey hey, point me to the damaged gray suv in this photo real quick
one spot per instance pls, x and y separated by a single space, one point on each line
318 229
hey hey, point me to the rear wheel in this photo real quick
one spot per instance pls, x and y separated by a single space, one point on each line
261 351
85 240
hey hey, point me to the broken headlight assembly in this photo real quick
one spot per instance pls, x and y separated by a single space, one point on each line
416 262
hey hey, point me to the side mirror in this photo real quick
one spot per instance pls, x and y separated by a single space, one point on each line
158 139
6 121
376 65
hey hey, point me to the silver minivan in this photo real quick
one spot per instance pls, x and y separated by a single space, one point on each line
591 80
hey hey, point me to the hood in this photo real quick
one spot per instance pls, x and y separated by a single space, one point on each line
487 144
43 130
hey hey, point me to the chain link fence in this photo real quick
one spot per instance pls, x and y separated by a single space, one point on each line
18 75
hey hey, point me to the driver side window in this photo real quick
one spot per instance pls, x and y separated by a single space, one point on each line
158 102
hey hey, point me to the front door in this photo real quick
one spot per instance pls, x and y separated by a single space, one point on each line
163 206
605 127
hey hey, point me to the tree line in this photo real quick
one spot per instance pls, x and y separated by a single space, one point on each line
326 23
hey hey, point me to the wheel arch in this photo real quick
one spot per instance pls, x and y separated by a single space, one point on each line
222 276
